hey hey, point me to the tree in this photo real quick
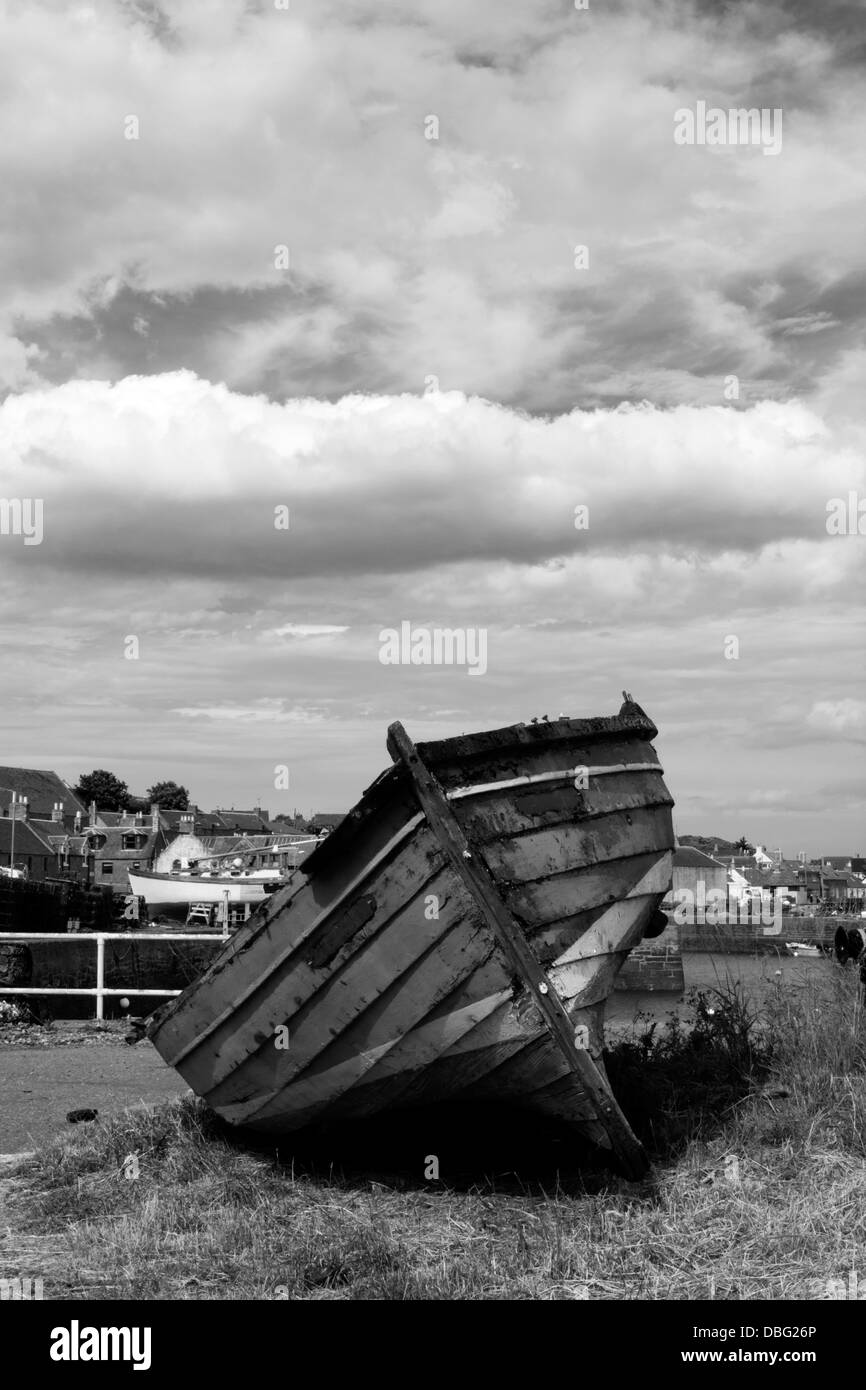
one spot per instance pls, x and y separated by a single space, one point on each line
109 793
169 795
744 847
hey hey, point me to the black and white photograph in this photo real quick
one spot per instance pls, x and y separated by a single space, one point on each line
433 697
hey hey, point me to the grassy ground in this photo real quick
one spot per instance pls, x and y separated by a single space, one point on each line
757 1123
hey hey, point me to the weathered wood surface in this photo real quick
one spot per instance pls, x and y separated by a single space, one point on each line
405 972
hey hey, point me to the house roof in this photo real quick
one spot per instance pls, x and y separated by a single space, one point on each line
776 877
112 848
27 840
204 822
687 857
54 831
41 787
172 818
253 821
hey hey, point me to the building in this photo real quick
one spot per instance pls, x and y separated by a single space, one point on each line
325 822
44 848
234 822
43 792
696 874
26 851
113 842
839 861
842 890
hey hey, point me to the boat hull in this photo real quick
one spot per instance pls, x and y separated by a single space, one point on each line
171 895
456 937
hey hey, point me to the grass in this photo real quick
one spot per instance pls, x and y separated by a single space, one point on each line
756 1120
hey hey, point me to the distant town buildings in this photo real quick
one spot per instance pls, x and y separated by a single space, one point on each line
50 834
834 882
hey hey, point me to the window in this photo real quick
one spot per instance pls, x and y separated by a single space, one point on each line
107 869
136 864
131 841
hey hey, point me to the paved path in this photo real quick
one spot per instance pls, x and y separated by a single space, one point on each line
38 1085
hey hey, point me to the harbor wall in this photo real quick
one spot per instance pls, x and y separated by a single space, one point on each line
655 964
49 907
749 938
145 963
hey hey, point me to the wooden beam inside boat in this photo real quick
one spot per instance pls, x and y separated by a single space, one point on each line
481 884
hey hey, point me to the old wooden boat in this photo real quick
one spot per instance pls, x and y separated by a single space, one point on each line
456 937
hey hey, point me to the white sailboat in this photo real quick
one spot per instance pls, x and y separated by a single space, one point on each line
223 879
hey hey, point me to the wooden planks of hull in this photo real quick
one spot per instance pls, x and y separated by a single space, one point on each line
520 810
549 902
404 973
318 1005
567 848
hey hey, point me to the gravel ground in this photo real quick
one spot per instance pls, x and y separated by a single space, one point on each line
79 1064
73 1068
63 1033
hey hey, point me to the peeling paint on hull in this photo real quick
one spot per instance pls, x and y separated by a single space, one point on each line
396 969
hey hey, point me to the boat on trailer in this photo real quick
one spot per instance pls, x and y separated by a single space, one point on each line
173 893
456 937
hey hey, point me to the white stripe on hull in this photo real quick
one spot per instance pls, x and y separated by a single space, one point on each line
565 775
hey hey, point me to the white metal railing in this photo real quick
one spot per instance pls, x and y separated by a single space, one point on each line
100 937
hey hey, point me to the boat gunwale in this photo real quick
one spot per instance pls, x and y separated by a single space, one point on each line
520 737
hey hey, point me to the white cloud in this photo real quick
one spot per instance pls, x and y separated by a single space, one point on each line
174 471
839 716
307 630
454 257
140 276
262 712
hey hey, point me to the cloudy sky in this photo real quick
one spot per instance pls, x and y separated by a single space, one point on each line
325 256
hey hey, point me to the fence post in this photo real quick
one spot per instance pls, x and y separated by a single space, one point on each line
100 976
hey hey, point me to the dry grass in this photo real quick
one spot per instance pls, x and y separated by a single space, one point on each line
758 1123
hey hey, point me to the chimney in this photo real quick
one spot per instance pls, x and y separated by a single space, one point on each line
20 808
57 811
187 823
154 817
77 824
92 820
